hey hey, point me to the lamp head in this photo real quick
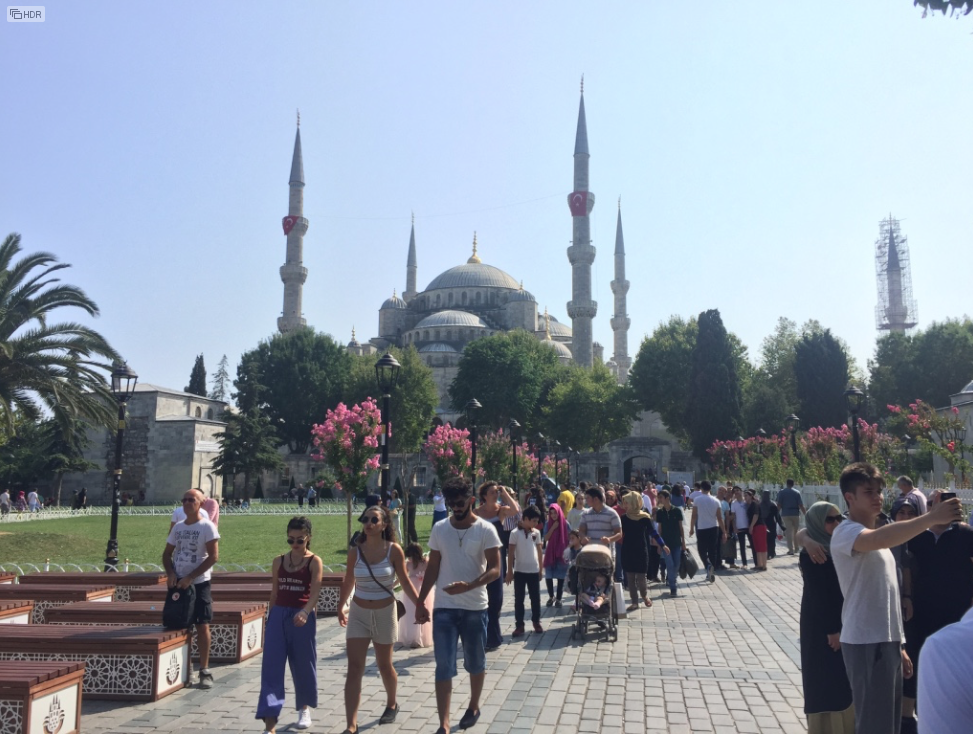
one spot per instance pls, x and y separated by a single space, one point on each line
387 373
123 379
854 399
792 422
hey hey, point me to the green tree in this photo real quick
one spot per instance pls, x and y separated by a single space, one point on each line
821 368
197 378
589 409
510 374
293 379
714 401
955 7
660 376
248 446
48 368
221 381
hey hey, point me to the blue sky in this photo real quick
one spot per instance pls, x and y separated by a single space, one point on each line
755 146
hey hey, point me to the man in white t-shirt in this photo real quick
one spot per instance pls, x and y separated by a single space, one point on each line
464 556
707 524
871 617
192 549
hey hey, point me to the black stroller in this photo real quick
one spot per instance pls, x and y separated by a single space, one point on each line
594 560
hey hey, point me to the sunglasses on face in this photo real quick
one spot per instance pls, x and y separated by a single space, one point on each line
188 499
373 519
833 519
296 541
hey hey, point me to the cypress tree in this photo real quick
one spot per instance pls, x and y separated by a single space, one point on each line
197 378
714 399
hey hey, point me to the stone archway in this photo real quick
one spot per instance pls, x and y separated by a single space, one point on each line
638 467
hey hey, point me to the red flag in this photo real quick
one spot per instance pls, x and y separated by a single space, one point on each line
289 223
578 201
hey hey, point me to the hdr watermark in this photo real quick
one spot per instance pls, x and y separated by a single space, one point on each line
26 13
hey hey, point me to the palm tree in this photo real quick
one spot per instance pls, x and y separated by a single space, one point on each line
53 369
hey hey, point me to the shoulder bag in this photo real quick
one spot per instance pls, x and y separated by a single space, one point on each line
399 606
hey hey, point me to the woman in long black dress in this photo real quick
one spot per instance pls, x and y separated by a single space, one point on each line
637 530
827 694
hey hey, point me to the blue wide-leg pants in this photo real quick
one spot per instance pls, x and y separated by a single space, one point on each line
284 642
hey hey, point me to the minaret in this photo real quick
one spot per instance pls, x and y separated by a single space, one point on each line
581 254
411 266
293 272
620 321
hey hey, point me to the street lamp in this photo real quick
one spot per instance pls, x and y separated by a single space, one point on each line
577 467
472 405
514 428
123 379
386 374
792 422
853 399
557 449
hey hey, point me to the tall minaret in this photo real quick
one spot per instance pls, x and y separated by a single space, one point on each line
620 321
411 266
293 272
581 254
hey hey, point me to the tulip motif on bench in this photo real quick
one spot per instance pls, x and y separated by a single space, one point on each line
55 717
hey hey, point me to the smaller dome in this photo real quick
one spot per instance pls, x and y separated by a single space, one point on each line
521 295
559 330
562 351
451 318
394 302
437 347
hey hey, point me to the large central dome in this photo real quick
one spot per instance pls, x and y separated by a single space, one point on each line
473 275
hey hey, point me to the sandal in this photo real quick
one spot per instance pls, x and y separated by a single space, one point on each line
647 601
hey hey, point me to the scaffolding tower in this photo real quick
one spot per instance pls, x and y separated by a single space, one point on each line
896 309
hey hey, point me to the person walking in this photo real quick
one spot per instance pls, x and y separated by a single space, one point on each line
301 494
438 505
290 630
374 564
791 508
772 519
464 556
738 507
758 531
497 515
33 501
192 549
525 569
555 543
707 520
871 617
669 520
827 693
638 530
410 634
395 511
4 503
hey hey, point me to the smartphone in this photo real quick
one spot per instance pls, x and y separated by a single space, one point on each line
947 496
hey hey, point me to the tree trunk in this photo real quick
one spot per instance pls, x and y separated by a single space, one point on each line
57 493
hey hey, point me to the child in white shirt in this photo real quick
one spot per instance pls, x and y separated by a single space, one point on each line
525 568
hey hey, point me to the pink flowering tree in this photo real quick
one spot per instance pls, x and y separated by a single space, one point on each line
939 432
448 450
347 442
563 469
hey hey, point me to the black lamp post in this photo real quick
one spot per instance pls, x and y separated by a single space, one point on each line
961 437
853 399
792 422
514 428
386 374
557 449
123 379
471 406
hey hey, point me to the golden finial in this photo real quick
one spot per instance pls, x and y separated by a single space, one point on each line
619 203
521 284
413 219
474 258
393 293
298 116
582 84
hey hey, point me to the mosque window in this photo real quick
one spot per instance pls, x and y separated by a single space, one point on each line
478 294
209 414
425 336
437 300
449 335
199 412
464 298
449 299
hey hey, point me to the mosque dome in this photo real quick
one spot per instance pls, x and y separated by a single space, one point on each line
521 295
473 275
451 318
394 302
437 348
559 330
562 351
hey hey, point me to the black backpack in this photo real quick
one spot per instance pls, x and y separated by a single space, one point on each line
179 609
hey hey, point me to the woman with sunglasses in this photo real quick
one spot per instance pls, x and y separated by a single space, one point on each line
374 564
290 632
827 693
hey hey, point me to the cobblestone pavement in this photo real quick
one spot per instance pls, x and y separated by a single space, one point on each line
721 658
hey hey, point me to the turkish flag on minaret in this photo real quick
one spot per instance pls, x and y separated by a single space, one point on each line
578 201
289 223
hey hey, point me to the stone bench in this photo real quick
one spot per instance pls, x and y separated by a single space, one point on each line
121 663
327 599
121 580
40 697
16 611
46 596
237 628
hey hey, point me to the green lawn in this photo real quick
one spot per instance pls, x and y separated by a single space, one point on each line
246 539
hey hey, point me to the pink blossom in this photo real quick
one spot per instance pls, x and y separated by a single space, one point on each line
955 410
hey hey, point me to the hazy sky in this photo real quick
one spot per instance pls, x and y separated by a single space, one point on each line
755 146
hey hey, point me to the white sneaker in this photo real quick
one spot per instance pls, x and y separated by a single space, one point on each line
304 720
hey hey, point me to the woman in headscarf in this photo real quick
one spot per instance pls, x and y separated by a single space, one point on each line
554 564
827 693
905 508
771 517
637 530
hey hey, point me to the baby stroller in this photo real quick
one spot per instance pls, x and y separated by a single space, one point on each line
594 560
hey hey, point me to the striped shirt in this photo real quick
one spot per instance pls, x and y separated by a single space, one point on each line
600 524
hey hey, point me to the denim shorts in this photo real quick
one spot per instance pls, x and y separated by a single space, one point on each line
451 625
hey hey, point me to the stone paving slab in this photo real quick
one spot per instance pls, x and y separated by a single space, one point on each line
720 658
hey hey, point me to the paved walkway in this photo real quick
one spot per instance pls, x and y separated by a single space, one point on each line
721 658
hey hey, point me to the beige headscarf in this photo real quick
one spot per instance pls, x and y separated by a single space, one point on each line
634 509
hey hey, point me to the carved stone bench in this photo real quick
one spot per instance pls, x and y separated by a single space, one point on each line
46 596
327 599
237 628
121 580
40 697
121 663
16 611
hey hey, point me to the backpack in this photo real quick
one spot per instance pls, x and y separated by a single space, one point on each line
179 609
